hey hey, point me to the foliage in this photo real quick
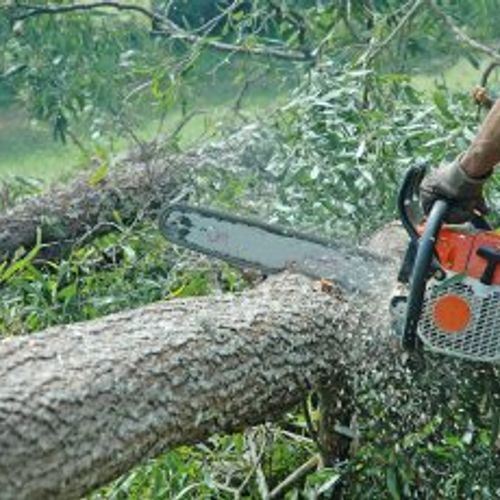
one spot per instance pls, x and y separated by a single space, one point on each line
99 68
330 158
339 148
125 269
84 69
349 136
224 467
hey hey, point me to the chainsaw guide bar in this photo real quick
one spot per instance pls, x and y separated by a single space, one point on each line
249 243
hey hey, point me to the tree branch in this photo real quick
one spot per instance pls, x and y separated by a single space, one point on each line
373 52
296 476
40 10
256 459
168 28
211 23
450 24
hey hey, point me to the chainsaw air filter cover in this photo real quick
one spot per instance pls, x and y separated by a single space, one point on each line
461 313
461 317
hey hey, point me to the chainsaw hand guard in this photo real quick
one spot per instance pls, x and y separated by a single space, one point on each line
422 270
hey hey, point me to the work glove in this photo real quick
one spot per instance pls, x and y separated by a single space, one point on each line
451 183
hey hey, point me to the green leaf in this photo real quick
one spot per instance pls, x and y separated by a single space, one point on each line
391 481
99 175
441 103
22 263
495 427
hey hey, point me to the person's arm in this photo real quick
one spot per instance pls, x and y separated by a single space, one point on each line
484 152
461 183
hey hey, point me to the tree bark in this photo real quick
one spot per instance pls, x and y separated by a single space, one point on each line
81 404
87 206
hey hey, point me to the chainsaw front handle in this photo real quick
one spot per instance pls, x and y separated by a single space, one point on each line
421 270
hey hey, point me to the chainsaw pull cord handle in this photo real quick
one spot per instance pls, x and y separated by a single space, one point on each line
420 271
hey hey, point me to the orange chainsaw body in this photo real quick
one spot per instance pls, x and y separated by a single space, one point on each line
462 317
457 252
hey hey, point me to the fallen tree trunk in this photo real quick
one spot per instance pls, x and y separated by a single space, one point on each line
137 185
81 404
86 207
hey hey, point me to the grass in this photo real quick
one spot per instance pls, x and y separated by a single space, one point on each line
27 150
460 77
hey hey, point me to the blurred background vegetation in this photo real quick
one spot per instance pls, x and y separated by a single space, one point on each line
333 101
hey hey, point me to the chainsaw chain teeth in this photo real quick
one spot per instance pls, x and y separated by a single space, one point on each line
480 339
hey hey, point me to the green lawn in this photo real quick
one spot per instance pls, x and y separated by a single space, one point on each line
461 77
29 150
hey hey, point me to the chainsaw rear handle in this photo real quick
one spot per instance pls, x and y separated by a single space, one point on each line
421 270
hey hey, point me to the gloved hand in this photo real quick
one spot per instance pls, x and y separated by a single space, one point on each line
451 183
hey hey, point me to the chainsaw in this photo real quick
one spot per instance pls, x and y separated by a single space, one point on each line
451 275
448 298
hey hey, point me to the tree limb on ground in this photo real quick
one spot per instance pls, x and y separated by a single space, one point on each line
88 205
